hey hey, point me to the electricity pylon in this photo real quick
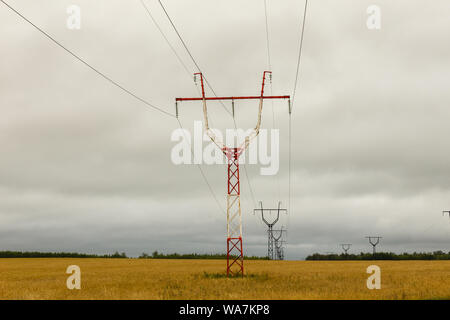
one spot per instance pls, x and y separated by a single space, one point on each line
270 225
346 247
279 250
235 253
374 244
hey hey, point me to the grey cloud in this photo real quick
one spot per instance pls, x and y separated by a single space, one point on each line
86 167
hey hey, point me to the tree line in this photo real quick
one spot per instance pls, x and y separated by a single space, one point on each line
36 254
436 255
154 255
157 255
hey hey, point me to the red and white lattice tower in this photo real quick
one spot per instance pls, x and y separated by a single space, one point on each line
235 253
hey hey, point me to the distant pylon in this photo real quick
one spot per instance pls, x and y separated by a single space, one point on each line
374 244
278 242
346 247
270 225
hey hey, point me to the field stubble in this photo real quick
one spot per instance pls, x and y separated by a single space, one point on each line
202 279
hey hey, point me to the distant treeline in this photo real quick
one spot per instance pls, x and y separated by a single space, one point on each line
154 255
157 255
436 255
35 254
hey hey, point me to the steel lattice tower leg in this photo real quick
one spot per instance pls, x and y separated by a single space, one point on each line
235 256
270 243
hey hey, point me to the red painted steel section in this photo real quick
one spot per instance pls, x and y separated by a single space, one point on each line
235 257
203 87
232 155
264 79
234 245
233 98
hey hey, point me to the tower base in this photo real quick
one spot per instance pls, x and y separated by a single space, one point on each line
235 257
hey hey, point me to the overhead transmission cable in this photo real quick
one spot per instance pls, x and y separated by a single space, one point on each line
165 38
299 51
113 82
271 91
190 54
209 85
201 170
293 101
178 120
87 64
267 36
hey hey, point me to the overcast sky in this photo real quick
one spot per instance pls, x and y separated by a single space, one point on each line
85 167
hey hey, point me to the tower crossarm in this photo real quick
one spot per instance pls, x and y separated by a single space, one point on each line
270 210
377 240
255 131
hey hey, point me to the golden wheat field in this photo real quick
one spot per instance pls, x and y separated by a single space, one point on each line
202 279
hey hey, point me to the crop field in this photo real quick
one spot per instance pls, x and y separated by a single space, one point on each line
203 279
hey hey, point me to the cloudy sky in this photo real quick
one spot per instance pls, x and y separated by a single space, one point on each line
86 167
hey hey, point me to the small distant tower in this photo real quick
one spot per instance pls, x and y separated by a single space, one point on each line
346 247
374 240
279 249
270 238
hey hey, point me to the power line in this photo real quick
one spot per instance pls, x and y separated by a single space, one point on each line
209 85
293 100
165 38
187 71
248 180
267 36
116 84
179 36
87 64
190 54
203 173
289 165
271 87
300 51
169 44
